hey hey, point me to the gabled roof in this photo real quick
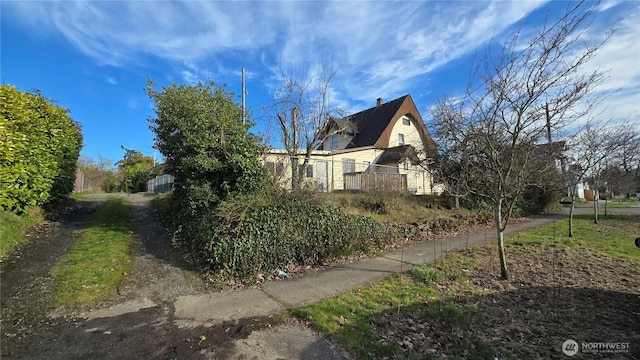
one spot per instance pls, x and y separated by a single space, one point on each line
372 122
397 155
374 125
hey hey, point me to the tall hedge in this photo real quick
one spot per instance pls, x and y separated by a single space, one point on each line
205 145
39 149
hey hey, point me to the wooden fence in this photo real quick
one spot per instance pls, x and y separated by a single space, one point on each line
375 182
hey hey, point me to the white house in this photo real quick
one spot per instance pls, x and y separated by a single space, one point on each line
383 148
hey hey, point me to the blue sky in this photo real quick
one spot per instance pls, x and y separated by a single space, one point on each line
94 57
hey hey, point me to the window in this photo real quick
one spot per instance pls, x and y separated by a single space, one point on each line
276 168
400 139
348 165
308 172
406 121
406 165
334 142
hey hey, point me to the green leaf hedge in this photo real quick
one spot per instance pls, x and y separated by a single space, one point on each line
246 236
39 149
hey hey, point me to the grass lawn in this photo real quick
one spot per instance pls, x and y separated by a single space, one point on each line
624 203
100 259
13 228
584 288
402 209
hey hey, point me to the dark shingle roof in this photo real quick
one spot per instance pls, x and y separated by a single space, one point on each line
371 123
397 154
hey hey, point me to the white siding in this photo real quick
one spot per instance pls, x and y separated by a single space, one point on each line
409 132
418 180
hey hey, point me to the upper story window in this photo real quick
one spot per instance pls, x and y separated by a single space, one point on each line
400 139
406 121
334 142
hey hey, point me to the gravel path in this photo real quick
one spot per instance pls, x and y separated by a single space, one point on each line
27 284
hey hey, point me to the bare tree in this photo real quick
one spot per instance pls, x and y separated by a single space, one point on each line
96 171
627 158
305 117
453 155
512 101
587 154
619 173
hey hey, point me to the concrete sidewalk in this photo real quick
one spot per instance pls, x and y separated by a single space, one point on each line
291 341
276 296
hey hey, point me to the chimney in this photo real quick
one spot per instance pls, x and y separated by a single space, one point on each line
379 101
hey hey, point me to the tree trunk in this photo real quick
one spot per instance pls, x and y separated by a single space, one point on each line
294 174
573 205
606 201
504 274
595 209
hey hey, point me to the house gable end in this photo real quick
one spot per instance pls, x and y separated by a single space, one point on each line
408 109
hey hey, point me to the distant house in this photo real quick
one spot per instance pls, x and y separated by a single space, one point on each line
572 173
383 148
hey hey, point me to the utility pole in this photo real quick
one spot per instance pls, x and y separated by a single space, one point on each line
244 91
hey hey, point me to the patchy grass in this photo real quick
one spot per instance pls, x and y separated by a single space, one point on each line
585 289
346 318
100 259
396 208
614 235
13 229
621 203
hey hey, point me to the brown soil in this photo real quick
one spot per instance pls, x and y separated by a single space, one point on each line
553 295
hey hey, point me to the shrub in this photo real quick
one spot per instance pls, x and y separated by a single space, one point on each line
39 149
261 234
208 150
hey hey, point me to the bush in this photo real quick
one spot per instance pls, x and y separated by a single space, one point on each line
39 150
211 154
537 200
261 234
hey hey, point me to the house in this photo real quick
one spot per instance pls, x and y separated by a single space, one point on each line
383 148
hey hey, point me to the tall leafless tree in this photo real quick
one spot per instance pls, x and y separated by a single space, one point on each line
587 153
304 114
513 100
627 158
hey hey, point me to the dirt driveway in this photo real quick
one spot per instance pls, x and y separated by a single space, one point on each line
140 322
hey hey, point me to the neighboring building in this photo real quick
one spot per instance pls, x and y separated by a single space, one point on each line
570 172
383 148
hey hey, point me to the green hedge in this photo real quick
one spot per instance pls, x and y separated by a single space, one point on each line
247 236
39 149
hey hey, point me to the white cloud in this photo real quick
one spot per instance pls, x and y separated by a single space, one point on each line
117 33
111 80
382 48
619 58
